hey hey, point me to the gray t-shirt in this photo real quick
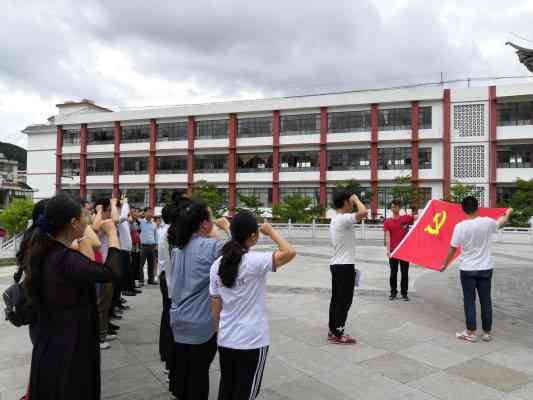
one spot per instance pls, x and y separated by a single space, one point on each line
190 313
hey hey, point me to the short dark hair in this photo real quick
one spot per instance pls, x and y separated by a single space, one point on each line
470 205
340 197
395 202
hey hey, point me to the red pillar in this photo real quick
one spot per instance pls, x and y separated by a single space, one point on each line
152 164
276 128
493 160
83 161
116 155
446 146
374 160
323 156
232 163
414 147
190 155
59 150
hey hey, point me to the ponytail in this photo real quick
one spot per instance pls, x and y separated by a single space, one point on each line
187 222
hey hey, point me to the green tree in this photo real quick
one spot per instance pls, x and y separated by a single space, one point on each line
297 208
252 204
213 197
459 191
404 191
522 203
15 218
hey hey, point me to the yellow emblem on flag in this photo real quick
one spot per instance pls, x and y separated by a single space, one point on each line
438 219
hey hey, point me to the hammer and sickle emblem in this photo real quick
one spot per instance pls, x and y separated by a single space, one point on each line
439 219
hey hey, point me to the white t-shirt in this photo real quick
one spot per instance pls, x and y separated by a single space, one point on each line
343 239
164 254
243 319
473 236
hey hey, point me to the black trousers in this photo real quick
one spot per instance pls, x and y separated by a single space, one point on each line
241 373
404 283
342 288
166 338
128 278
148 255
189 370
136 264
480 281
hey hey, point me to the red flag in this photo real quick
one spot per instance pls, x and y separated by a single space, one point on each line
428 242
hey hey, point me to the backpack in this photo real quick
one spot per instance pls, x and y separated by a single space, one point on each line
18 306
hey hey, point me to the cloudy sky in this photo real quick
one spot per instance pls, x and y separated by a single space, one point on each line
129 53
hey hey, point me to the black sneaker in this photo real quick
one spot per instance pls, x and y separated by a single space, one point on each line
113 326
392 297
129 293
405 298
123 308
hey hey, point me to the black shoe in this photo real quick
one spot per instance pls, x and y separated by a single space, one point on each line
152 283
137 291
129 293
123 301
113 326
116 317
123 308
112 331
405 298
392 297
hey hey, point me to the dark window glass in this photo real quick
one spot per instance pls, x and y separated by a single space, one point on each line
134 165
306 124
312 193
394 119
172 164
164 196
504 194
263 194
97 194
519 113
137 133
300 160
101 135
394 158
348 159
515 156
424 158
172 131
70 168
424 118
71 137
254 127
385 197
248 162
137 197
349 121
214 129
100 166
364 194
211 163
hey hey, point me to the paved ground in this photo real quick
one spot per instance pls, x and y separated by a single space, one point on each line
405 350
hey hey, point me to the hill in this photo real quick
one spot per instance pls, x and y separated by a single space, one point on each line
14 152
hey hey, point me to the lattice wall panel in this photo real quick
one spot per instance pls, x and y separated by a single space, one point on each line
469 120
469 161
479 193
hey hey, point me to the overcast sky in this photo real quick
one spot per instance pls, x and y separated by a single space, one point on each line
130 53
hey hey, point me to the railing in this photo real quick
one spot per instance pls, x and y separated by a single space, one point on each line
9 247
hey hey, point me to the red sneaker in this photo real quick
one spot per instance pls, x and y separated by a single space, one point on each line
344 339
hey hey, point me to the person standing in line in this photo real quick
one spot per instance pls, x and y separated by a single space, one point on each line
128 283
395 229
342 264
148 245
135 247
474 236
195 250
238 291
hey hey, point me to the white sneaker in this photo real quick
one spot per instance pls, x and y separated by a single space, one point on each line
104 346
486 337
110 338
466 337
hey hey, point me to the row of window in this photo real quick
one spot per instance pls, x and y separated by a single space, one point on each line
515 156
519 113
306 124
397 158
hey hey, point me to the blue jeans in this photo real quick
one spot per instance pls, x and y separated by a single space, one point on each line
480 281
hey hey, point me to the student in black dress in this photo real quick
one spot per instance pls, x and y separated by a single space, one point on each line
60 281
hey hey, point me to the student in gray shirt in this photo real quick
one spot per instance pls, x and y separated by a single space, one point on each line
194 250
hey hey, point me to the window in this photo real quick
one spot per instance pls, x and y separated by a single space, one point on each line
424 158
348 159
97 194
250 162
424 196
394 119
134 165
137 133
311 192
306 124
364 194
172 131
70 168
350 121
214 129
101 135
263 194
515 156
424 118
164 196
100 166
137 197
301 160
71 137
211 163
72 192
172 164
394 158
504 194
254 127
385 196
519 113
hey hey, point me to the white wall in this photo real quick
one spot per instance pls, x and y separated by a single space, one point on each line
514 132
41 160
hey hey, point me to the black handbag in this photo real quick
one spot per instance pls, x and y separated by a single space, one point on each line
18 308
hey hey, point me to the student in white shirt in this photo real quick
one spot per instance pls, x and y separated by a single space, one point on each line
342 264
473 236
238 290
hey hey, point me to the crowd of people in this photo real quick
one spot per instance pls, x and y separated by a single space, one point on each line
80 260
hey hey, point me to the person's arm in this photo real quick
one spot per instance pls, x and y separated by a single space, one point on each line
114 210
449 258
124 211
387 243
285 253
362 211
455 243
216 308
84 247
92 238
97 222
504 219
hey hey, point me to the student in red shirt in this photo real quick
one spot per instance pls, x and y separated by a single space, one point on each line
395 230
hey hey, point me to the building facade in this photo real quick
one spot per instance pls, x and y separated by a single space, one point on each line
481 136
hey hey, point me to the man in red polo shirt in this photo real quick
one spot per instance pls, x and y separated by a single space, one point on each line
396 228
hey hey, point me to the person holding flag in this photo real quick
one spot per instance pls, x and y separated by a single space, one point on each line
473 236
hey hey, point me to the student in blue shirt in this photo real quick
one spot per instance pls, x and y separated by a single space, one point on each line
148 245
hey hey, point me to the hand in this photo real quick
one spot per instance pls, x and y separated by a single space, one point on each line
388 253
108 226
509 212
222 223
266 229
114 201
99 208
443 268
